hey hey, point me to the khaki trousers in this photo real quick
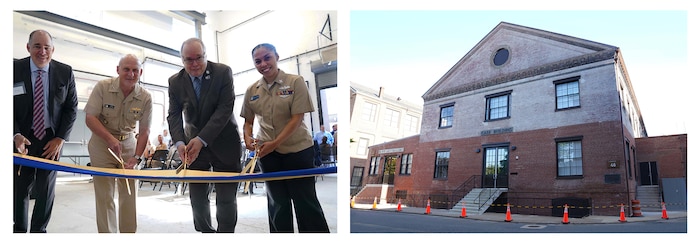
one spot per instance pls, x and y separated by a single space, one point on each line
105 208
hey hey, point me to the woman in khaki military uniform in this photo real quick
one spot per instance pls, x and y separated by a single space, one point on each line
112 111
284 143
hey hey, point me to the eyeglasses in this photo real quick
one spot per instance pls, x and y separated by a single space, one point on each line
190 61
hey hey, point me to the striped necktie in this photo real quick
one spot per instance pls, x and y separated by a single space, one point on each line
197 86
38 120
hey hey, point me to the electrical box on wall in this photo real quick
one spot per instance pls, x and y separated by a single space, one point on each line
612 164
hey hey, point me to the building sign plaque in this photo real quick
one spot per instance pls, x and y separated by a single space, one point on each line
496 131
391 150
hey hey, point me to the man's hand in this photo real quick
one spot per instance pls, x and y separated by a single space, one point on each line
115 146
193 147
52 149
182 152
21 144
131 163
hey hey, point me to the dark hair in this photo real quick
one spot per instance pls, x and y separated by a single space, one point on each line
267 46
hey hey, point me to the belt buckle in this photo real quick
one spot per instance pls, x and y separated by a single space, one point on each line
122 137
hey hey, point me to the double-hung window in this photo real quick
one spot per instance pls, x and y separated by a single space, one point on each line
569 157
442 161
374 166
498 106
406 164
446 115
568 93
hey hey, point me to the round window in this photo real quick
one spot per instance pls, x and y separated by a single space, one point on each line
501 56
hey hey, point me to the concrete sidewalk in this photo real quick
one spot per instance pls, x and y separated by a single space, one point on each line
533 219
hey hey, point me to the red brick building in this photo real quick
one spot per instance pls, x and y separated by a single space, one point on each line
530 118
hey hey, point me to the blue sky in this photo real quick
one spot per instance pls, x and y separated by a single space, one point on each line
408 51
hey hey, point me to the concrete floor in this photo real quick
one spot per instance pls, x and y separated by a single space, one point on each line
164 211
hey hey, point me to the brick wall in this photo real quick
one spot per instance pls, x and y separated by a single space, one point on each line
669 152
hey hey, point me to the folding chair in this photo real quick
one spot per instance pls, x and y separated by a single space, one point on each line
158 156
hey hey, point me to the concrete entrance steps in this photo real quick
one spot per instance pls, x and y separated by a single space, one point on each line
649 198
478 200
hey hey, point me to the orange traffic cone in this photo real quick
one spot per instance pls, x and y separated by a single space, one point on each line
398 208
622 213
427 208
374 204
464 211
508 218
664 215
566 214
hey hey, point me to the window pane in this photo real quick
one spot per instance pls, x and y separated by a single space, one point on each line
356 176
569 162
567 95
446 114
498 107
368 112
362 146
391 119
411 125
441 164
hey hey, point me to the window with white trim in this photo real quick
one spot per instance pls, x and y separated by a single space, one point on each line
391 118
369 112
362 146
411 124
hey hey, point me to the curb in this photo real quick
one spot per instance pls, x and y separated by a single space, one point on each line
530 219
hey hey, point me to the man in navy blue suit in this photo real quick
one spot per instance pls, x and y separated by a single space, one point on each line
45 106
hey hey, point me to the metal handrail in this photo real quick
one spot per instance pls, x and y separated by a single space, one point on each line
493 192
463 189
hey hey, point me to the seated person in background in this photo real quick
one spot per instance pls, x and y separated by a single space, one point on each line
325 150
148 152
161 145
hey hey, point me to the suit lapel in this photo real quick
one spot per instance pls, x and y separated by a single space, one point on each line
28 87
53 86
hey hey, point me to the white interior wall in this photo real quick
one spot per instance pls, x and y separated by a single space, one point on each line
228 35
295 34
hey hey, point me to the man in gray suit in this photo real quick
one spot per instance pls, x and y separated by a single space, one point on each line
45 106
205 133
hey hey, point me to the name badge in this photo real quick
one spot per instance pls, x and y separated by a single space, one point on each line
18 89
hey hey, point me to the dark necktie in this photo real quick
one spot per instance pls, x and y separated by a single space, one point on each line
197 86
38 121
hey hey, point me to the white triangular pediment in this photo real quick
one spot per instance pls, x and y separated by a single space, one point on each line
530 51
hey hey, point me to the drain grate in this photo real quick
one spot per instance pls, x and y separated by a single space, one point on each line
533 226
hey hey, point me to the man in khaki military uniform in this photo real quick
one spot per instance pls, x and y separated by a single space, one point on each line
112 110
